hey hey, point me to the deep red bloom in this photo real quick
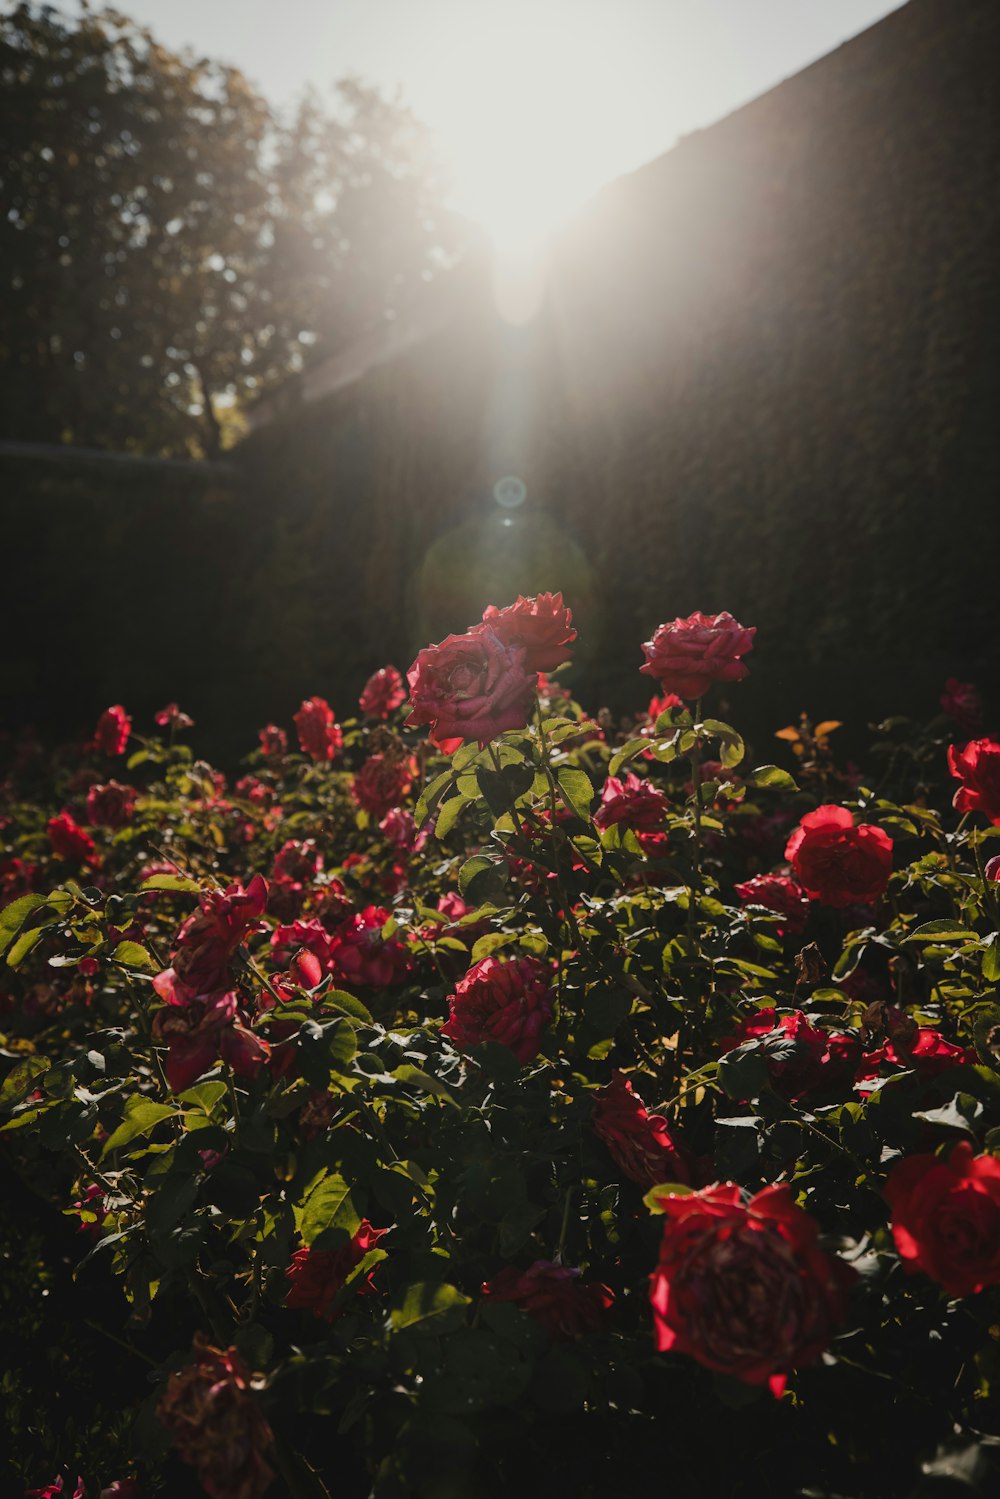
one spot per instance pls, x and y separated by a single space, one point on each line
173 717
216 1424
992 868
946 1218
111 806
471 686
273 741
688 655
92 1201
320 736
112 731
745 1289
208 939
54 1490
507 1002
928 1056
778 893
69 841
401 830
977 766
962 702
554 1294
542 626
838 862
795 1052
201 1033
383 693
639 1141
309 934
381 784
360 955
316 1275
636 803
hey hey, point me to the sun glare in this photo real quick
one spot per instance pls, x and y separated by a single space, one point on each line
528 132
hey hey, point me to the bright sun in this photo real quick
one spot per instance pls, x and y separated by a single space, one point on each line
528 135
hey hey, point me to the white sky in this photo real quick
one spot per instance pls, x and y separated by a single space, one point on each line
535 103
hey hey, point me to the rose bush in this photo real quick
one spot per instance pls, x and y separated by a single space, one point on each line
443 1115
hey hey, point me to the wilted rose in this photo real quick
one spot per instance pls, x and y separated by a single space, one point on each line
216 1424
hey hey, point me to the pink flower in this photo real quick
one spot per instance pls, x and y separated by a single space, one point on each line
172 717
640 1142
507 1002
202 1032
319 733
208 939
383 693
112 731
629 800
555 1295
111 806
69 841
471 686
778 893
688 655
541 626
273 741
360 955
316 1275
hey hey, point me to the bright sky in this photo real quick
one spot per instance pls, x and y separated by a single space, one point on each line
535 103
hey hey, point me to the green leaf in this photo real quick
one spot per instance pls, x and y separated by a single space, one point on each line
178 882
483 880
141 1115
24 944
731 746
431 795
449 814
576 790
773 777
417 1078
628 752
991 958
133 955
941 931
347 1004
12 917
431 1308
328 1205
20 1080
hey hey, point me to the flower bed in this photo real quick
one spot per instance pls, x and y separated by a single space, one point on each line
534 1101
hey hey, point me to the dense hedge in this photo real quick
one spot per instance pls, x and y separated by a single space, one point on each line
573 1108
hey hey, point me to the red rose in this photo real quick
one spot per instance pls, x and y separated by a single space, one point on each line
992 869
381 784
112 731
216 1424
688 655
54 1490
542 626
554 1294
273 741
172 717
202 1032
507 1002
383 693
639 1141
471 687
110 806
360 955
928 1056
837 862
745 1289
401 830
208 939
319 733
962 702
69 841
776 892
977 766
316 1275
634 802
946 1218
793 1050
